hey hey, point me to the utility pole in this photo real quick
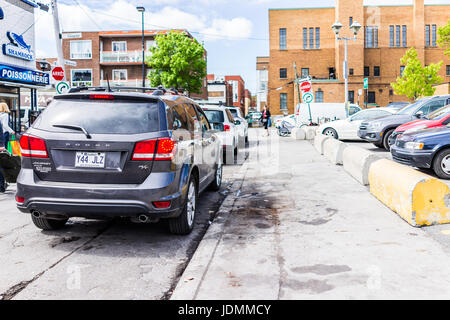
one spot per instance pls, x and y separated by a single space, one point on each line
298 92
142 11
58 37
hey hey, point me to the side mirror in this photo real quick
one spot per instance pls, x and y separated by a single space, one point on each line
237 122
419 114
176 124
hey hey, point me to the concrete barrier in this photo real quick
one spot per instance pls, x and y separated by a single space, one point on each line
333 150
310 132
418 198
298 134
319 141
357 162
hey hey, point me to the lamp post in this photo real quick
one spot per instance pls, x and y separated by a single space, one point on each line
142 10
337 26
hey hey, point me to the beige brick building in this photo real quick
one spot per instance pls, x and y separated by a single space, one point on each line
304 36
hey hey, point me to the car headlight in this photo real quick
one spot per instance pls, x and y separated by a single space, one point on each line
374 126
414 145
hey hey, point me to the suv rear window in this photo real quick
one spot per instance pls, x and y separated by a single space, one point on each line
214 116
100 117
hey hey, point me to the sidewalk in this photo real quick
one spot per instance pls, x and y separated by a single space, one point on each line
309 231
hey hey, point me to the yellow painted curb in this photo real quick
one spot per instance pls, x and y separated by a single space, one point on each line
418 198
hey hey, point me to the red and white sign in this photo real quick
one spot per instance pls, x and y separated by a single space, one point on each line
305 86
58 73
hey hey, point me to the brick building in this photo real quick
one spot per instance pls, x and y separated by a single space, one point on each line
262 81
304 36
116 55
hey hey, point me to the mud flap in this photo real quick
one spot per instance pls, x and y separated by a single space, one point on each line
10 167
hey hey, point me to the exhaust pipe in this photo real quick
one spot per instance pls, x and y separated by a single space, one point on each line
143 218
36 214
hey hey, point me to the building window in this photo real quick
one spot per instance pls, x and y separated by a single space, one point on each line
402 68
433 35
81 77
371 97
319 96
305 38
371 37
305 72
376 71
283 101
366 71
404 36
317 38
283 73
427 35
283 39
351 96
119 46
351 71
375 37
391 36
81 49
120 75
350 21
311 38
397 36
448 71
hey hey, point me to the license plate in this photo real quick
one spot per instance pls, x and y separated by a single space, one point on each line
90 160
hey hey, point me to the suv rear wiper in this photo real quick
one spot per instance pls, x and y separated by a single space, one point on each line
79 128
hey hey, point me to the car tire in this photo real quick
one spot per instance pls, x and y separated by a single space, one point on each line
331 132
217 182
386 137
378 145
440 162
184 223
48 224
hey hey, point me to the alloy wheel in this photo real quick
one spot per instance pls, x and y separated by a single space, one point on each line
191 203
445 164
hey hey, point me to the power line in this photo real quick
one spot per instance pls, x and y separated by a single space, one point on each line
87 14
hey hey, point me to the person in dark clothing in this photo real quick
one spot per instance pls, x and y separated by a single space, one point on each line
266 119
2 148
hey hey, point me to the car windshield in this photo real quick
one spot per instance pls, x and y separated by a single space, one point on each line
100 117
409 110
215 116
439 113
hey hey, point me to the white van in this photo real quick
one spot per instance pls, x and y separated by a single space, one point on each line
324 112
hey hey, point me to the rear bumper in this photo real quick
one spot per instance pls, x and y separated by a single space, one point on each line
95 201
412 158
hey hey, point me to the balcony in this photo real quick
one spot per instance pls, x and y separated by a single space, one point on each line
121 56
124 83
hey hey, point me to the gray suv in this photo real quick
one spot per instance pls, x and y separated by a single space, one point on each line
380 131
118 154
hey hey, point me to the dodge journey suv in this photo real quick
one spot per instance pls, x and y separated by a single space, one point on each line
96 154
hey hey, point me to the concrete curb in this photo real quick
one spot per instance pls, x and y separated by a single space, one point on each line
319 140
357 162
310 132
298 134
192 277
333 150
419 199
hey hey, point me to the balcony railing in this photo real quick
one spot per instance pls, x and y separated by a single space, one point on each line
121 56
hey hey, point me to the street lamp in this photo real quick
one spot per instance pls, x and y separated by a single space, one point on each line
142 10
355 27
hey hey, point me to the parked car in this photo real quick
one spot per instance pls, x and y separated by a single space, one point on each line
398 105
118 154
254 118
427 148
223 121
379 131
291 119
237 115
347 129
438 118
331 111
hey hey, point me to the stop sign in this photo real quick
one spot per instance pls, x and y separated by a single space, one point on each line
58 73
305 86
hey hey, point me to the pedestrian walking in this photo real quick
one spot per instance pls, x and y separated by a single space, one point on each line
266 119
2 149
4 120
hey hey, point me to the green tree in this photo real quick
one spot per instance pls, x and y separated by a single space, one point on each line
417 81
444 38
177 61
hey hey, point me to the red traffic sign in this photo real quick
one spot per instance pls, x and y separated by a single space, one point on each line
58 73
305 86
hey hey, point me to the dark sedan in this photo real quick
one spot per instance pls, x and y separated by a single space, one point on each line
379 131
429 148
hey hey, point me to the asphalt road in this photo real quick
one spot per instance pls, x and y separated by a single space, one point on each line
92 259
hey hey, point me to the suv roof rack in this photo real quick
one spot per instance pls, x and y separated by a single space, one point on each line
159 91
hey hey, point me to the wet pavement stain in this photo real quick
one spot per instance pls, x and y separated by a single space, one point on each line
322 269
316 222
312 286
59 241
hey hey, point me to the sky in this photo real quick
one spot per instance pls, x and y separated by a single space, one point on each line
234 32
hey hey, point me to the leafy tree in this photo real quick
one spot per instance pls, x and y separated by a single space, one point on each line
177 61
444 38
417 81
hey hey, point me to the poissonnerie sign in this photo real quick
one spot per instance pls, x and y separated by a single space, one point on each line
16 74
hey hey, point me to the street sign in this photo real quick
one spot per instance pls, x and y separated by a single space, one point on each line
70 63
58 73
305 86
366 83
62 87
308 97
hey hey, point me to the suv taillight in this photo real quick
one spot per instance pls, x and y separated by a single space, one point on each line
145 150
226 127
33 147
